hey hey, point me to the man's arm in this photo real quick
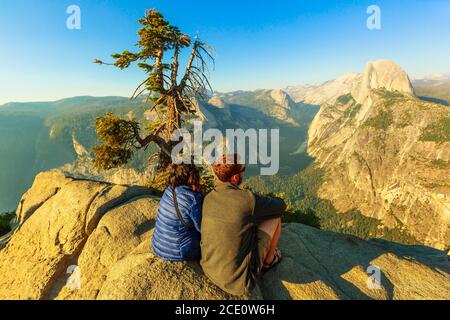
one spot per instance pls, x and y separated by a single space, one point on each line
267 208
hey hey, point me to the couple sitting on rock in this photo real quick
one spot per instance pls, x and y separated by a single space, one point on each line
232 231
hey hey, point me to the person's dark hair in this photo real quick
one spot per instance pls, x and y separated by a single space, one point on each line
227 167
184 175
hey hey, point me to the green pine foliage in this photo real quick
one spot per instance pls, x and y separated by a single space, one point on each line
354 107
118 136
171 93
345 99
353 111
381 121
159 181
438 132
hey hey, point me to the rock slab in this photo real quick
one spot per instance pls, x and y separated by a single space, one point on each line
86 240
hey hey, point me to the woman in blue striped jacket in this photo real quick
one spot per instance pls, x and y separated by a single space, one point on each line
177 230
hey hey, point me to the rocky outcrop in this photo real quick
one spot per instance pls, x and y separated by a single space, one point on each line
381 74
83 168
101 228
81 239
371 144
377 74
325 265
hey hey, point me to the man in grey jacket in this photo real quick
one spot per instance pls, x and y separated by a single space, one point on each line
240 231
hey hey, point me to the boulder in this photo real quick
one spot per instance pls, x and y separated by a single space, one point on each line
325 265
85 240
142 276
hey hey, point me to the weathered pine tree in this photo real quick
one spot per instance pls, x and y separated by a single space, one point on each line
168 92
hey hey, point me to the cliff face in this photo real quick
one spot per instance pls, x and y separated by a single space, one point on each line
387 154
100 233
381 74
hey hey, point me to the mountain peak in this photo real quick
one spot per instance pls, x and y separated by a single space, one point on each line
281 98
327 92
217 102
381 74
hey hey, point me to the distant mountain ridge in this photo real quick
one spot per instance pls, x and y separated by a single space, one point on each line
327 92
434 88
274 103
432 79
46 135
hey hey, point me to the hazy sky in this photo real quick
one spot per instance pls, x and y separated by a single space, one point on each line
259 44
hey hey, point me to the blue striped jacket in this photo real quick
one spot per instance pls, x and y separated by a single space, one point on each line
172 240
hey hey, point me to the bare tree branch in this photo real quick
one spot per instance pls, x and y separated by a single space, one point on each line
149 139
189 66
175 66
138 87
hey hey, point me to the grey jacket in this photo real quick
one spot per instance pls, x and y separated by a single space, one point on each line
230 235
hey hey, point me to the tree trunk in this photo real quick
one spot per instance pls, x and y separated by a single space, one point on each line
173 116
159 69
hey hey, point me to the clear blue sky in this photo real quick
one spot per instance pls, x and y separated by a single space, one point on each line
259 44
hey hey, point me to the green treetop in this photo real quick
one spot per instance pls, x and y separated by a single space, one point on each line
172 93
